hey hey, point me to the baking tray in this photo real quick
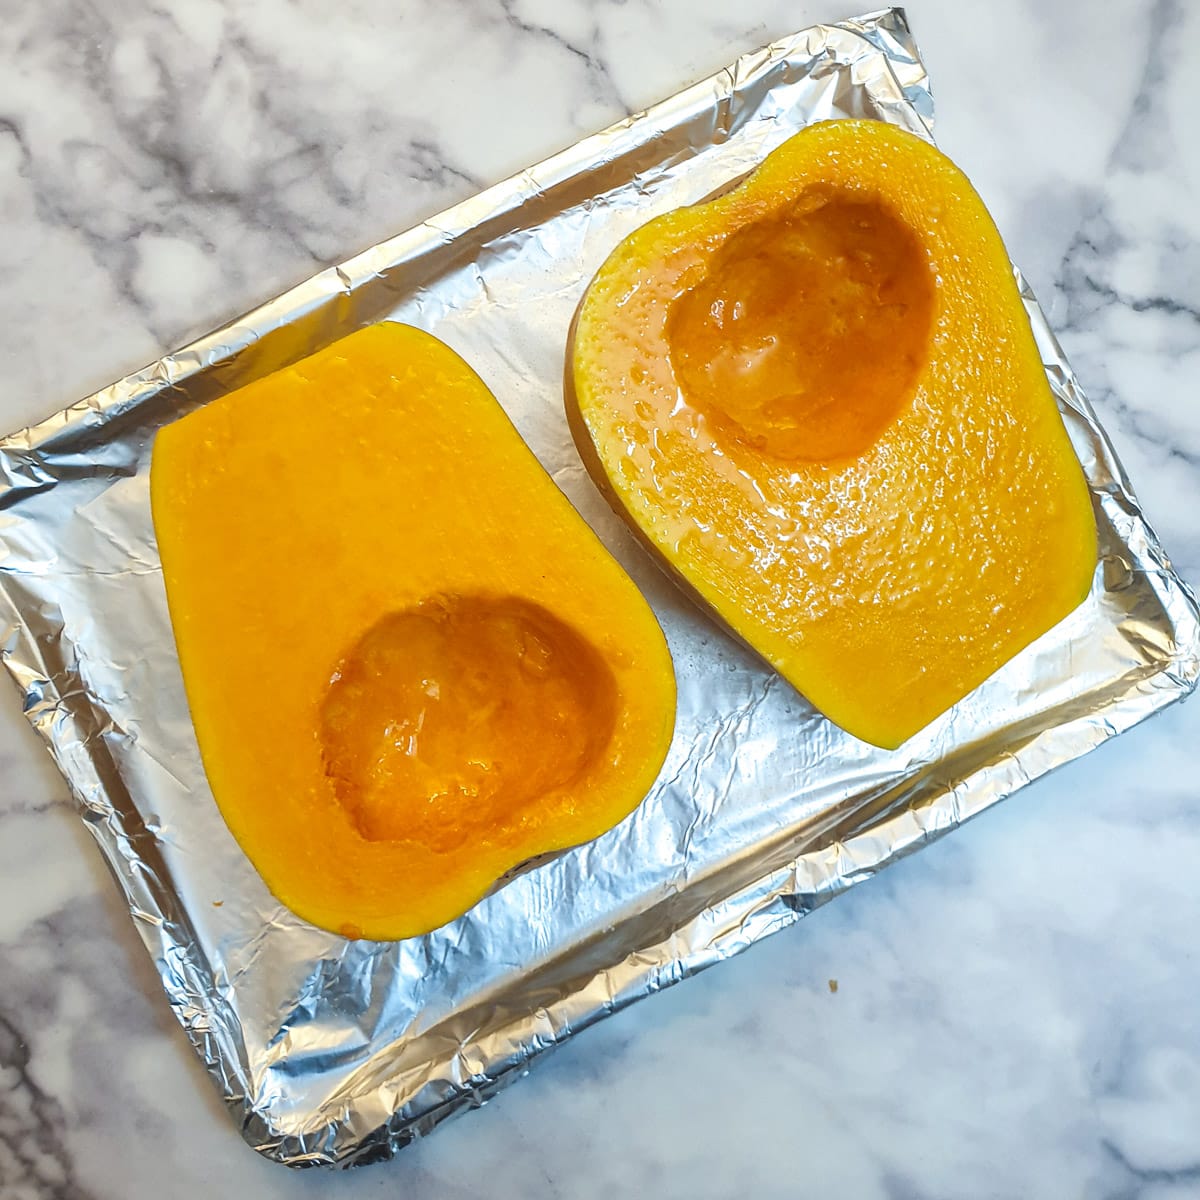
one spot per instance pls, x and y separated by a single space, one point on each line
332 1051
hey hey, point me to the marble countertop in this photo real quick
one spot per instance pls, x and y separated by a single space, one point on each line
1015 1011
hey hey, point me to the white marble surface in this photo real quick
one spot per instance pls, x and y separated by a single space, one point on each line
1016 1012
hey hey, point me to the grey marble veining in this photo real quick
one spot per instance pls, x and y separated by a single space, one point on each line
1015 1011
1129 281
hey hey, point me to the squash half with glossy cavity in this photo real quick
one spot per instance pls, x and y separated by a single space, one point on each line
818 398
411 665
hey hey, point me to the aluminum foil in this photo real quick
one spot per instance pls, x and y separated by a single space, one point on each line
340 1052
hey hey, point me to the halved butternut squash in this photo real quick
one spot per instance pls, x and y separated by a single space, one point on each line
410 664
818 399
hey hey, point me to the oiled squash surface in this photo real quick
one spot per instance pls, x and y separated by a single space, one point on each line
819 400
410 664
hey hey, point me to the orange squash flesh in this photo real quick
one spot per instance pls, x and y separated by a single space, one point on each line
410 664
819 400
